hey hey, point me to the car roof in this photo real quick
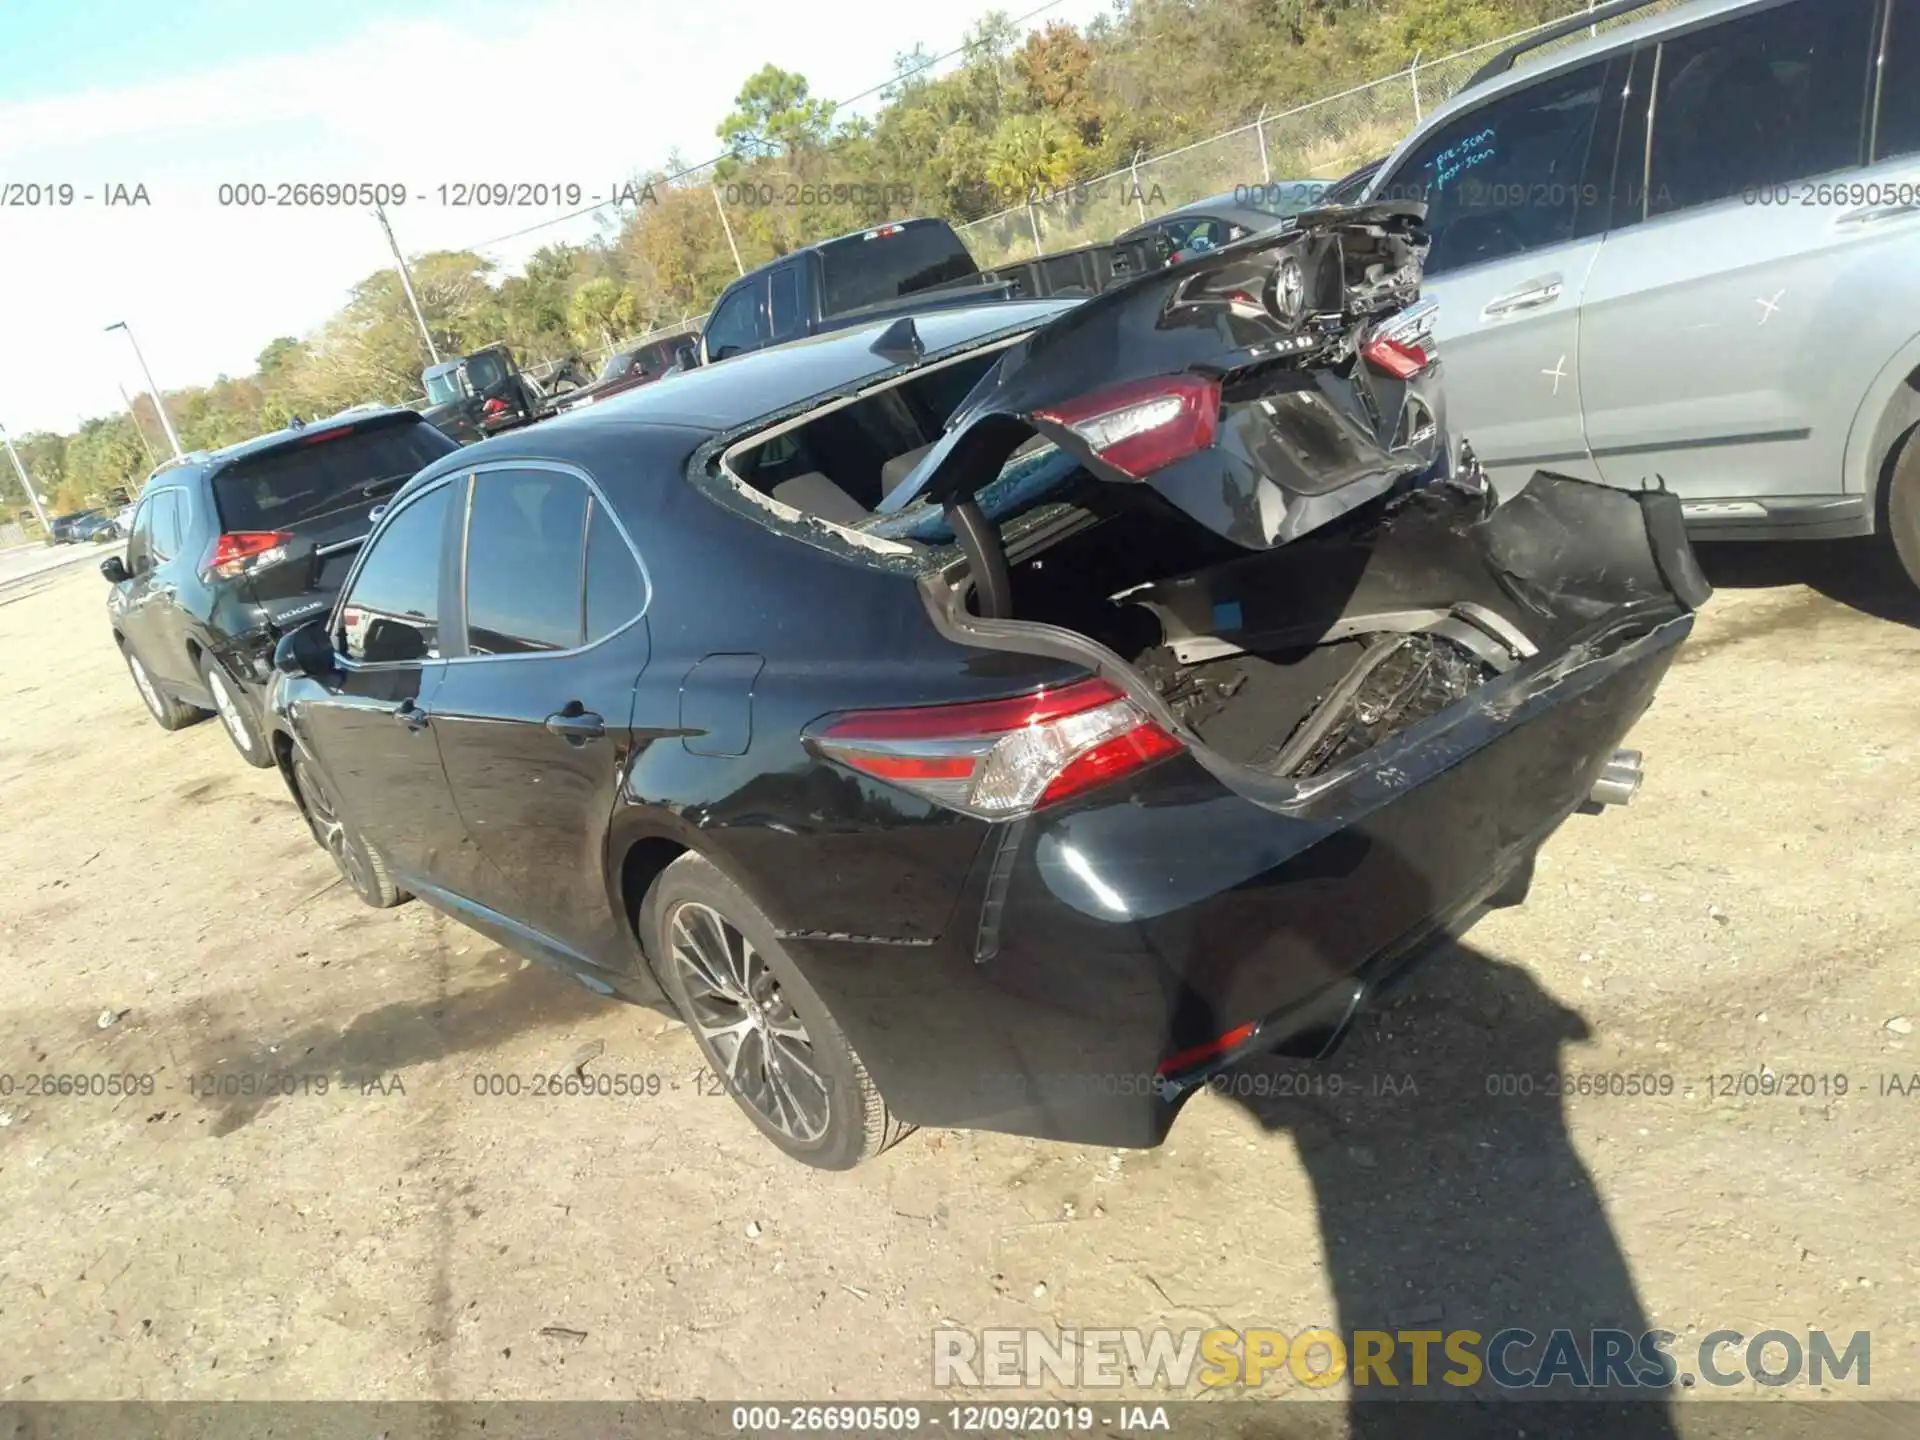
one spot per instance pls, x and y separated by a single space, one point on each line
836 239
1531 66
729 393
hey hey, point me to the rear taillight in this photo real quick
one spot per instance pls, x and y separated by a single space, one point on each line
1144 425
1001 758
1401 359
239 551
493 406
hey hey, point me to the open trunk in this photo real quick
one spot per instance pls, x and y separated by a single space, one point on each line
1228 487
1290 664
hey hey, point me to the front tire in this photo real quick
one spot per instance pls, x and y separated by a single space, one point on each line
358 862
1902 513
237 715
167 712
760 1026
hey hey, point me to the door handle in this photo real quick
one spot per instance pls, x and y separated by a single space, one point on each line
1874 214
411 715
576 725
1531 296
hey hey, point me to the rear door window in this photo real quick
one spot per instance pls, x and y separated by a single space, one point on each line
525 538
320 474
1762 100
1510 176
392 613
616 592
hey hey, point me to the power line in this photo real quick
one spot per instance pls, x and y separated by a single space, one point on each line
837 106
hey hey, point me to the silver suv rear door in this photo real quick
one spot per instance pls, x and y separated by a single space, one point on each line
1739 313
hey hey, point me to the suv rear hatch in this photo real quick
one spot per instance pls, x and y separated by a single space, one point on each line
293 515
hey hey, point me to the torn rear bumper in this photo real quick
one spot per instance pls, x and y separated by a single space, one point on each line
1109 956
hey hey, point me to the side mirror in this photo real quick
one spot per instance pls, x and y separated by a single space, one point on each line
306 652
115 569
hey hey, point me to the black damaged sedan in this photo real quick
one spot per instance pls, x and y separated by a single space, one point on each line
1000 719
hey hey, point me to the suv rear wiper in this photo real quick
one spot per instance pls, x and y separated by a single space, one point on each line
385 484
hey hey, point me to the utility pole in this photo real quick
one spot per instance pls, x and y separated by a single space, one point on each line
159 402
152 459
406 283
26 481
728 227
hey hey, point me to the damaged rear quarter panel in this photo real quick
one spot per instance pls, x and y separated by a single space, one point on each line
1307 431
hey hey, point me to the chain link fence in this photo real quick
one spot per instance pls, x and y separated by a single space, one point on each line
1320 140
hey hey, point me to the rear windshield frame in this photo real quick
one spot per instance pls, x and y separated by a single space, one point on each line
710 471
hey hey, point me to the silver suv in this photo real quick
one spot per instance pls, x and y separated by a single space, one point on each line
1687 249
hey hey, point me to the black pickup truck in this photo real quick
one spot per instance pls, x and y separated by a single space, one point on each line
473 396
903 267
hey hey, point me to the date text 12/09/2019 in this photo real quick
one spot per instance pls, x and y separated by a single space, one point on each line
460 194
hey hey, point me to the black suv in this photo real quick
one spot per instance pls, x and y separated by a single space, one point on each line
230 548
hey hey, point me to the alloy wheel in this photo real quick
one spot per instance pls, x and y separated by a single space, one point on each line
330 829
229 708
764 1052
144 684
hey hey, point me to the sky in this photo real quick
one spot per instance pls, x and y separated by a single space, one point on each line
177 98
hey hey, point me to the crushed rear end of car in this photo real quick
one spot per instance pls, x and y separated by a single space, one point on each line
1333 693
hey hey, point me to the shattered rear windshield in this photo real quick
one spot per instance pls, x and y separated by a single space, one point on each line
1031 478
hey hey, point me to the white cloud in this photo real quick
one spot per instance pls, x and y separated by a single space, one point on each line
567 91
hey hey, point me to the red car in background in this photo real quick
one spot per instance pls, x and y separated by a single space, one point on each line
628 369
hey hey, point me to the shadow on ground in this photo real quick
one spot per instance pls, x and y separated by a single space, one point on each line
1860 574
374 1047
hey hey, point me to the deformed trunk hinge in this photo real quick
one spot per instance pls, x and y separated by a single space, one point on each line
986 558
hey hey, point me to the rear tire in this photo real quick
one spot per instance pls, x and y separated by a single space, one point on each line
237 715
1902 512
758 1022
359 864
167 712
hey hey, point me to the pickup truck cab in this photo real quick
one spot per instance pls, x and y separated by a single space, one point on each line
893 269
487 393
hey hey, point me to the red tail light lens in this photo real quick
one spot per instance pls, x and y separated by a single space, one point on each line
493 406
239 551
1145 425
1399 358
1001 758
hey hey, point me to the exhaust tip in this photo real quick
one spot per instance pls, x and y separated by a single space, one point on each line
1619 779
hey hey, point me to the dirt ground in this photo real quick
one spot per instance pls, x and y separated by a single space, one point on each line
163 913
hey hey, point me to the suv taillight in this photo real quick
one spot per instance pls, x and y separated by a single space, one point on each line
239 551
1001 758
1144 425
